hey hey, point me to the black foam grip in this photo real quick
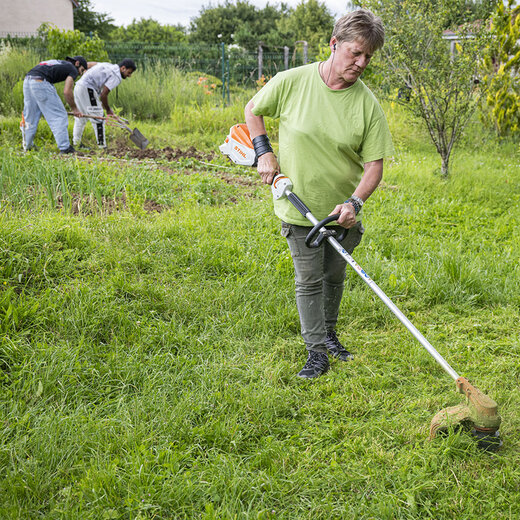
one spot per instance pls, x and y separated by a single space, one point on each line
298 204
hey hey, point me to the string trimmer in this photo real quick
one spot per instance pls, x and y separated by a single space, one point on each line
480 413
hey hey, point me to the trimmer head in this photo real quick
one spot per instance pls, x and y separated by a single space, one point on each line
479 416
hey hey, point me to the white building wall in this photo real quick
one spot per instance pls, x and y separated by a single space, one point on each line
23 17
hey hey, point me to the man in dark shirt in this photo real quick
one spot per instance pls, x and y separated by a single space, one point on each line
41 98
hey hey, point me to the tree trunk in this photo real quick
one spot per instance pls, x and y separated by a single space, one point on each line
445 166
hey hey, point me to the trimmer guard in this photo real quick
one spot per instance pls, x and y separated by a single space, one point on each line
479 416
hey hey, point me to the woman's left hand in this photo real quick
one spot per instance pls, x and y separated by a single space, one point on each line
347 218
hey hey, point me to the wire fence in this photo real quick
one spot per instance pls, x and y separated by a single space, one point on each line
229 63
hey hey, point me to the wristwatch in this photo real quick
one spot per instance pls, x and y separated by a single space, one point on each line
357 202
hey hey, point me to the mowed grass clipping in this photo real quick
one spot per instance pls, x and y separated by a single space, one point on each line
149 343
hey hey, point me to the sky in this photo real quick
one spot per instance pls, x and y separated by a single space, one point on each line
173 12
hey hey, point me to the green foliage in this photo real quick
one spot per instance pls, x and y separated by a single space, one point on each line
464 11
149 31
90 22
14 65
433 82
61 43
238 22
503 67
311 21
458 13
168 90
260 27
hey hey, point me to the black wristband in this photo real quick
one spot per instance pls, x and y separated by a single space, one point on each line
262 145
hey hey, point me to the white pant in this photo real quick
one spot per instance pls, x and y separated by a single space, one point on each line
88 102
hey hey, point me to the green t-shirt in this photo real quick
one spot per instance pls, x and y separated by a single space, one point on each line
326 136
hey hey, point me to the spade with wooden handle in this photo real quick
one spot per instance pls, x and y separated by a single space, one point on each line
135 135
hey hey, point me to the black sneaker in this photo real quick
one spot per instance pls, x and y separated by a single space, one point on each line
335 348
317 364
70 149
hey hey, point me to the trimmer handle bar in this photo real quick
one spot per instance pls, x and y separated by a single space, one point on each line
281 187
323 233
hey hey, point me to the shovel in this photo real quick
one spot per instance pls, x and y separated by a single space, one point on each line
135 135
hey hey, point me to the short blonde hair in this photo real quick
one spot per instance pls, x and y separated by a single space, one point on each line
360 25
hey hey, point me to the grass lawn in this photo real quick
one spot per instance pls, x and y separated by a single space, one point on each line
149 340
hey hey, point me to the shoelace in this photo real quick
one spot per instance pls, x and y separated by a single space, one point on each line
314 358
332 337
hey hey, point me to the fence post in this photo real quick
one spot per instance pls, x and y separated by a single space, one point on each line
260 61
286 57
223 46
305 50
228 80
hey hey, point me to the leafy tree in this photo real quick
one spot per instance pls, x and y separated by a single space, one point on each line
238 22
89 22
150 31
503 66
61 43
435 84
463 11
264 29
310 21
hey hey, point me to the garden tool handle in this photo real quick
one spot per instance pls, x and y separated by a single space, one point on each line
309 242
87 115
281 186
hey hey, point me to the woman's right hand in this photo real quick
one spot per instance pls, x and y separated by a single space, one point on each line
268 167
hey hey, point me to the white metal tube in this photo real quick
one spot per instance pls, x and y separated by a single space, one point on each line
386 300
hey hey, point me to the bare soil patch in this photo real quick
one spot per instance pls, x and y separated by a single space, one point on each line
168 153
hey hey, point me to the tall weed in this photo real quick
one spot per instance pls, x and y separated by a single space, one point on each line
155 92
14 65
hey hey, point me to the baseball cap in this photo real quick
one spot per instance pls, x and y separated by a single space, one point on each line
81 59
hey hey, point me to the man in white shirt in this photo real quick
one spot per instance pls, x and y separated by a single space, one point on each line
91 96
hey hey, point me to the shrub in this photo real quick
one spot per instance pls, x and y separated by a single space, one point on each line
503 65
61 43
167 89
